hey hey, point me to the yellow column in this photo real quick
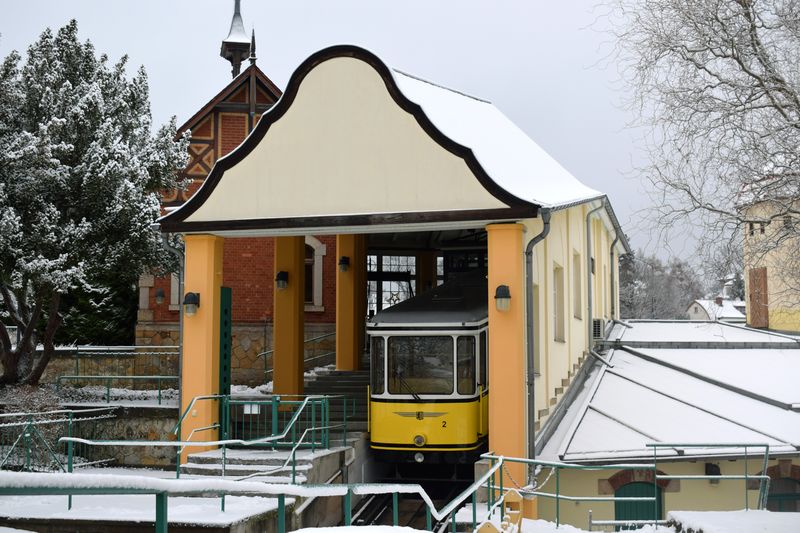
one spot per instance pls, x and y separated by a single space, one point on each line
426 271
288 316
347 304
360 296
200 363
507 424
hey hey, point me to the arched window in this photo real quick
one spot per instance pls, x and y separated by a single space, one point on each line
314 255
784 495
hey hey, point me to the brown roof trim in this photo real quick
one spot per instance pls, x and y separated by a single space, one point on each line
512 213
175 220
229 89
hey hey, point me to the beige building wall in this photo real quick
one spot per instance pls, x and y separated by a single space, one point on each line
783 281
681 495
564 248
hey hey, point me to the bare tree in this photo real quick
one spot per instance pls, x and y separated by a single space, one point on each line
717 82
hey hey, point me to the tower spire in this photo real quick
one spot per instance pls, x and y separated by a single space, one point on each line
253 47
236 46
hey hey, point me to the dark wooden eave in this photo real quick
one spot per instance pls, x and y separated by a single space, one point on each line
231 88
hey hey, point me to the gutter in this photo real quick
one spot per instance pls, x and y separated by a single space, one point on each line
179 255
611 267
529 328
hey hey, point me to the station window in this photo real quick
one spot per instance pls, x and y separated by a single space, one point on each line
465 365
577 300
558 303
378 357
309 265
420 365
391 280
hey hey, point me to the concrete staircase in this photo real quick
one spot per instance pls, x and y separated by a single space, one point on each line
352 384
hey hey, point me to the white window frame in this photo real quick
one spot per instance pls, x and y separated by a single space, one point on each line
320 250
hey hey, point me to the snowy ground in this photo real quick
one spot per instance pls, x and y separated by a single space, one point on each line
737 521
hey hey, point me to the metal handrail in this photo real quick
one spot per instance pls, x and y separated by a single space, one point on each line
306 341
109 378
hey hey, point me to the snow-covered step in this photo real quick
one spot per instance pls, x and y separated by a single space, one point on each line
271 474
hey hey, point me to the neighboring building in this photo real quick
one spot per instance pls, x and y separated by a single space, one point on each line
717 309
772 260
680 382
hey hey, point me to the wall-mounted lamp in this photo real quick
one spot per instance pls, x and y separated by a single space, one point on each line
344 263
282 279
159 296
502 298
191 301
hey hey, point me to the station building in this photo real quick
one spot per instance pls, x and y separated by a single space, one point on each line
380 161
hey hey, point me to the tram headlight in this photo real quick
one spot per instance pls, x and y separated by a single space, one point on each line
418 457
419 440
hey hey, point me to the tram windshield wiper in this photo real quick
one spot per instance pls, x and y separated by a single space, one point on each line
399 375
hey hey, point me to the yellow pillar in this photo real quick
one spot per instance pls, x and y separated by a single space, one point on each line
507 424
288 316
360 265
200 364
349 308
426 271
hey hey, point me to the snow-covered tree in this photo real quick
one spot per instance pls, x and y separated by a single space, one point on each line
650 288
80 172
717 82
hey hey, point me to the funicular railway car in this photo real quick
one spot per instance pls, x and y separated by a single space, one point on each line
429 383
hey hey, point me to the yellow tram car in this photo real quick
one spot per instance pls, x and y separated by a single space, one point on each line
429 381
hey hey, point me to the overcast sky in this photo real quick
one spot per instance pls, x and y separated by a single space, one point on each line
541 62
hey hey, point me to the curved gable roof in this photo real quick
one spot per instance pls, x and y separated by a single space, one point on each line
515 175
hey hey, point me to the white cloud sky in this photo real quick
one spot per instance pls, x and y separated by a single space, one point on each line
541 62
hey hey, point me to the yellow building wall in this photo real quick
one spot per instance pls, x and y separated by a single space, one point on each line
559 359
691 495
783 282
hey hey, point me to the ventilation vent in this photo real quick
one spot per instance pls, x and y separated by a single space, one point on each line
598 329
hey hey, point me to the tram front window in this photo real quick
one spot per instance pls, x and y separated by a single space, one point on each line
420 365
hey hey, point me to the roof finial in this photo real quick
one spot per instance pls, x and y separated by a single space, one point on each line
253 47
235 47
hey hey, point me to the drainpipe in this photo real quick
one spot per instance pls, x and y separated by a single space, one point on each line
529 326
611 267
589 318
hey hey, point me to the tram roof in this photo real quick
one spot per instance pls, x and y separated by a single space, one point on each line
460 301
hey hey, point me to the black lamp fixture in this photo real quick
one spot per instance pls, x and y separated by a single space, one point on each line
344 263
502 298
159 296
282 279
191 301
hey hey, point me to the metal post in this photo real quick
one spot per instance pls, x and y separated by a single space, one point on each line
294 463
344 426
276 400
281 513
474 510
158 381
590 519
746 503
558 494
108 390
348 516
69 455
313 424
428 518
453 518
28 429
655 485
395 517
501 495
161 512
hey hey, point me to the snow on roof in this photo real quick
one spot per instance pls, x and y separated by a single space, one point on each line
685 395
685 331
511 158
729 310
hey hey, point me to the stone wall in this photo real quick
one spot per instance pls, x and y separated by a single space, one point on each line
135 423
249 340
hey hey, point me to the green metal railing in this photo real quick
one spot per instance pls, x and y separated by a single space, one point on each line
311 356
107 380
124 360
30 441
